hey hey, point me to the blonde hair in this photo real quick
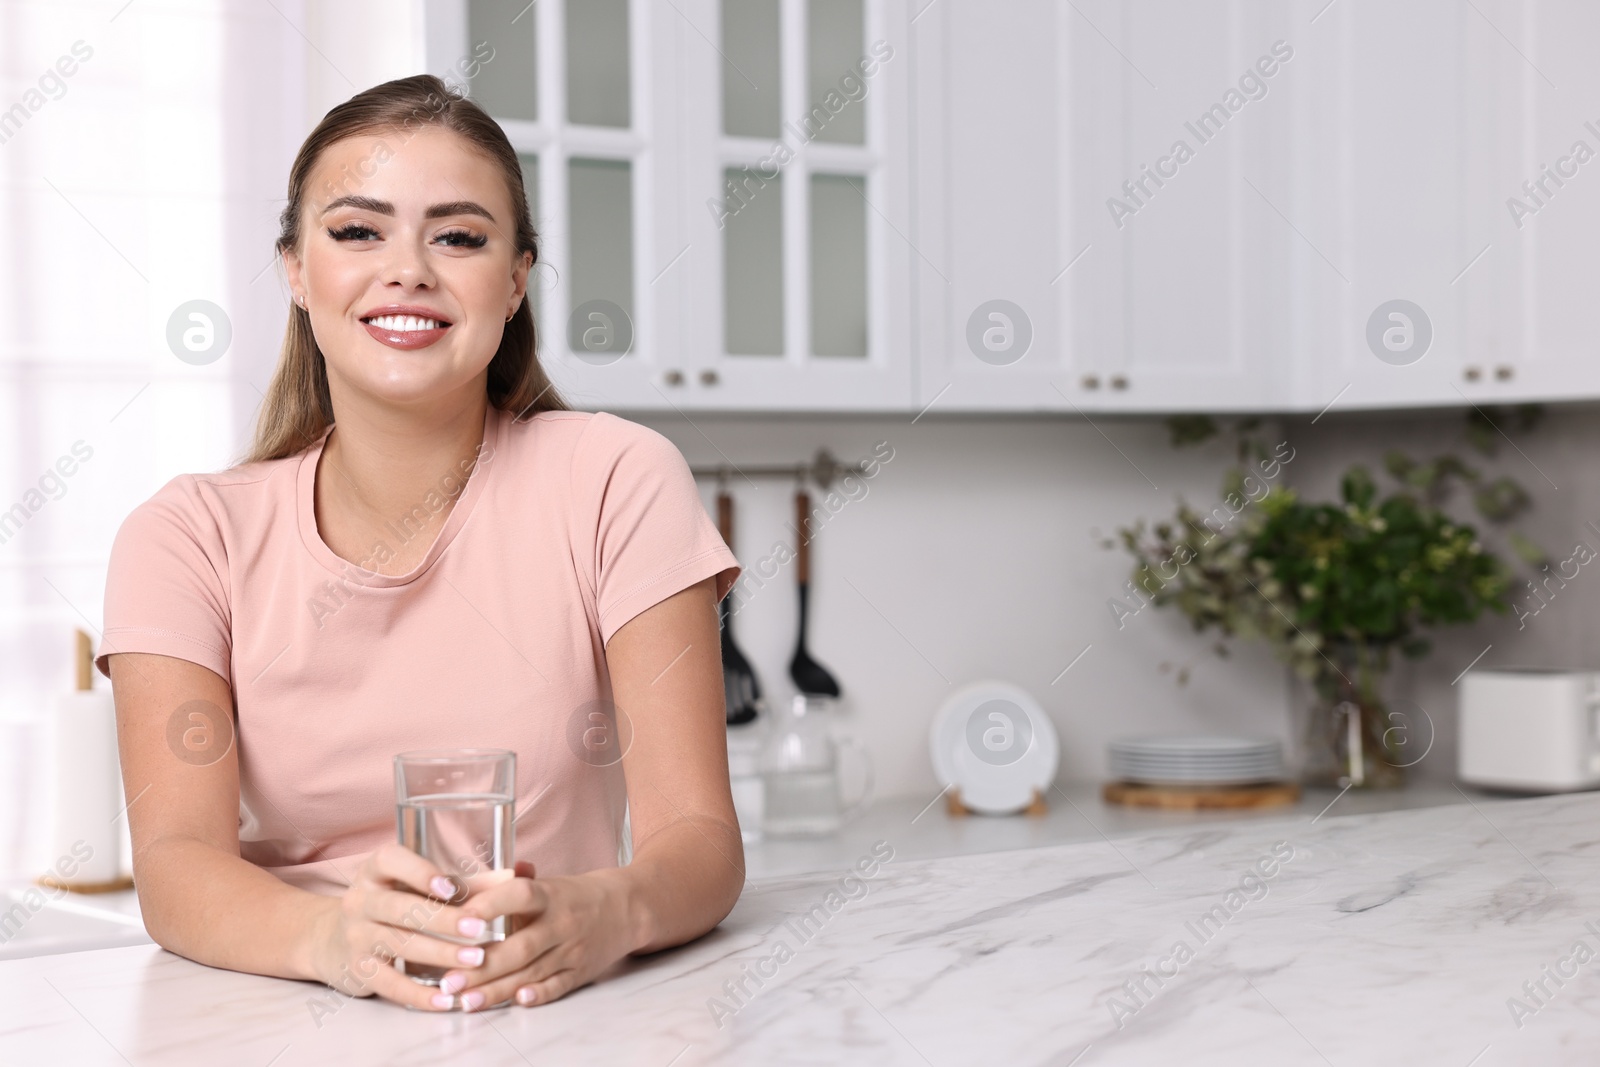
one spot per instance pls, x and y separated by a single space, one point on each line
298 408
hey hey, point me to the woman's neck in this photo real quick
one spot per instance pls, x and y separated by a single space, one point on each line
381 463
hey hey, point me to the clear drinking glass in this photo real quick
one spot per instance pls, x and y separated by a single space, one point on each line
455 807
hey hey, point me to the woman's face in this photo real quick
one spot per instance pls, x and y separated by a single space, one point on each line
400 230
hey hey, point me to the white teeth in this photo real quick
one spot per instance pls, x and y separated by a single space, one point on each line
403 323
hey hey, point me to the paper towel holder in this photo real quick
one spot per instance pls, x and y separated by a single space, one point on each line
84 663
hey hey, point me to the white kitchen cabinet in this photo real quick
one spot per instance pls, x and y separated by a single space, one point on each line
1381 191
1535 205
756 268
1000 216
996 225
1158 296
797 193
1418 126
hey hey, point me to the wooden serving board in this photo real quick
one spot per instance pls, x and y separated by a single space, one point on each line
1197 797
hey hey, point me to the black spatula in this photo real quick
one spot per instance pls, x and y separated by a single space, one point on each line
739 685
810 677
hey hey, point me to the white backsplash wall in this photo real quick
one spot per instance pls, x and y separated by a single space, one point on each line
974 554
1557 467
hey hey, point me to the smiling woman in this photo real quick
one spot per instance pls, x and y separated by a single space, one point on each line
553 562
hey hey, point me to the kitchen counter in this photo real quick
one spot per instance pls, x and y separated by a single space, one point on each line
1458 934
920 828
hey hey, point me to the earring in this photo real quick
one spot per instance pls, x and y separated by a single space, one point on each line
300 300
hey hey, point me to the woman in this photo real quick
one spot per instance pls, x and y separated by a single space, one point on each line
425 548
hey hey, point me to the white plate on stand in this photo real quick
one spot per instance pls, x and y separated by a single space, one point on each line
994 743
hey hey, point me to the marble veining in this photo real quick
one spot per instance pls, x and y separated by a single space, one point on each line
1465 934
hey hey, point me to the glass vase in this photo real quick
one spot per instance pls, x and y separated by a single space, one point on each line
1348 739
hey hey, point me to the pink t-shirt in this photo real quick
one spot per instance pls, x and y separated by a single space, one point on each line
571 524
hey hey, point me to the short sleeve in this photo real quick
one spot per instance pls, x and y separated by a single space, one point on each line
166 590
652 535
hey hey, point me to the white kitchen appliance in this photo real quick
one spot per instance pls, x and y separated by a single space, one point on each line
1533 730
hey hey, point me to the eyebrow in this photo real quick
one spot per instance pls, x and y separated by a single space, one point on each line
435 211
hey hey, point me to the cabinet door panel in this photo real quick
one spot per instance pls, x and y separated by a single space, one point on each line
989 80
796 261
1382 151
1040 168
1206 106
1537 202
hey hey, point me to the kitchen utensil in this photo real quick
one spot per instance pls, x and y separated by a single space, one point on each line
800 772
1196 760
741 690
995 743
809 676
1532 730
455 807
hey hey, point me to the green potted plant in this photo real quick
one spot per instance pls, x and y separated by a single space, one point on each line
1336 588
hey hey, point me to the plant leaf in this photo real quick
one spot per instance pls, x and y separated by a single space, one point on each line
1357 487
1526 550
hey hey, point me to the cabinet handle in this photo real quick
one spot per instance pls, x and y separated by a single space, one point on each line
1091 381
1118 382
1472 374
1503 372
673 377
708 377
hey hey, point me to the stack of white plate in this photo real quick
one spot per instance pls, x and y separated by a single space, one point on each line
1196 760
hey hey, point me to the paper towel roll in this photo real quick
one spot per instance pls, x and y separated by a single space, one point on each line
86 842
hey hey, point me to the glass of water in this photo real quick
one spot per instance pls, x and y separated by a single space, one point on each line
455 808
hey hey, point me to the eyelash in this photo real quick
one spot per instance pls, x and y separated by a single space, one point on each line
350 231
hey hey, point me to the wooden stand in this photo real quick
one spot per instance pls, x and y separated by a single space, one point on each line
115 886
1201 797
959 810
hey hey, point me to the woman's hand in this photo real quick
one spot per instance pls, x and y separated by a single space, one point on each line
566 933
396 901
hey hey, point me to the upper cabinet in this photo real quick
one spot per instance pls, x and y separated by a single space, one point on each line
721 188
1446 253
1089 205
962 205
796 252
1535 202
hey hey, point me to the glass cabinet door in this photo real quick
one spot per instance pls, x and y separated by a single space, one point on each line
575 86
721 192
803 203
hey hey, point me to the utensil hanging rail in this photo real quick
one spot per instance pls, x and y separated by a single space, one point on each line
822 469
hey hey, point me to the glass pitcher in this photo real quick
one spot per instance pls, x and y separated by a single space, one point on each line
800 772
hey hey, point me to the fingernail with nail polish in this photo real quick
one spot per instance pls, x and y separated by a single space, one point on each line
527 995
453 983
472 1001
471 957
442 1000
471 927
441 887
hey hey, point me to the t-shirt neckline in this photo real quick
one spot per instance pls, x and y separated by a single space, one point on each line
305 505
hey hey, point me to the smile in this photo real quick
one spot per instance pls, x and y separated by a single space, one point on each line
405 331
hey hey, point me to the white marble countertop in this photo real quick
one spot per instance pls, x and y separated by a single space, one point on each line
1405 937
920 828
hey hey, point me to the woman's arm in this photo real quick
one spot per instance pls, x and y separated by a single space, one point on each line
688 860
201 900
